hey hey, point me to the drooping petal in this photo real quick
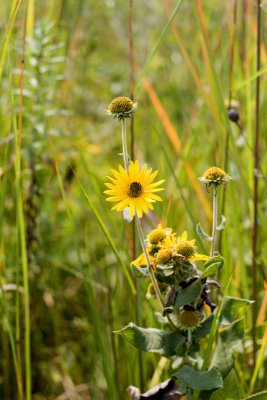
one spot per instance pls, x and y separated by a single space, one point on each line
199 257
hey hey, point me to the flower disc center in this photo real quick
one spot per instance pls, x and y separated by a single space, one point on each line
135 189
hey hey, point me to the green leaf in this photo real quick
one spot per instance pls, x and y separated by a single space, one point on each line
222 224
228 338
233 308
199 380
211 266
152 340
212 269
202 234
213 260
204 329
189 294
230 390
139 272
104 230
258 396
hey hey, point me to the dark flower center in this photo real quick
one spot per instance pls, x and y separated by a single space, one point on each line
135 189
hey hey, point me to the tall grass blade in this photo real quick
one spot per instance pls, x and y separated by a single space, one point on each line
158 44
109 238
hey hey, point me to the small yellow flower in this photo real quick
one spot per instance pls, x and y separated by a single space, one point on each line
215 176
188 249
121 107
164 256
133 189
156 235
140 261
188 320
185 248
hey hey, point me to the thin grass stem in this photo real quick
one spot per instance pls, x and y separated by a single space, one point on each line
22 232
138 307
254 231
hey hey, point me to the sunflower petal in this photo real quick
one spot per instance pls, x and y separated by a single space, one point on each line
137 197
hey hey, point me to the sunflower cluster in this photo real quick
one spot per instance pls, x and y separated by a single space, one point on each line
173 259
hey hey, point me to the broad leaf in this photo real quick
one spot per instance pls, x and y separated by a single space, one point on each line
210 262
189 294
233 308
139 272
228 338
212 268
152 340
230 390
199 380
204 329
202 234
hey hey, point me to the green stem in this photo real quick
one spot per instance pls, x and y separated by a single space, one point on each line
150 268
189 339
124 145
256 166
22 230
140 230
214 220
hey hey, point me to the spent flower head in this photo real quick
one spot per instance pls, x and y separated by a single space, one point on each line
215 176
134 189
121 107
188 320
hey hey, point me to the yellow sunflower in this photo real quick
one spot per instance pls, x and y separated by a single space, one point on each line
188 249
133 189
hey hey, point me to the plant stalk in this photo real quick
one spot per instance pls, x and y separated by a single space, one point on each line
150 269
124 145
214 219
140 230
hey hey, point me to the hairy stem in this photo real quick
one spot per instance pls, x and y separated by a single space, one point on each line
214 220
150 268
124 145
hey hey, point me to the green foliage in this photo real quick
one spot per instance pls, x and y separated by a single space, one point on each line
199 380
230 390
213 265
139 272
228 339
233 308
189 294
202 234
153 340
